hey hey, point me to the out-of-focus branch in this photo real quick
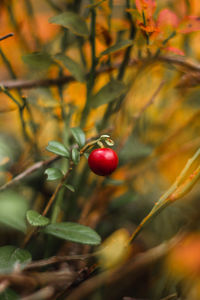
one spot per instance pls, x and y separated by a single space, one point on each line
132 269
151 101
6 36
29 84
56 259
38 165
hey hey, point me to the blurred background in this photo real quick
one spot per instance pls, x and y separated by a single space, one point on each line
154 121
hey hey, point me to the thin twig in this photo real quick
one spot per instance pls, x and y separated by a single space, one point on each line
59 186
29 84
137 116
38 165
151 101
6 36
92 73
57 259
49 203
179 62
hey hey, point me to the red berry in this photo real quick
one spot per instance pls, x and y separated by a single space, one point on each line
103 161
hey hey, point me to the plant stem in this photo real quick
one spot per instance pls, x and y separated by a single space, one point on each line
54 6
165 42
6 36
23 100
128 50
55 194
91 80
32 22
179 188
47 82
58 188
145 24
56 208
15 24
7 64
20 109
122 67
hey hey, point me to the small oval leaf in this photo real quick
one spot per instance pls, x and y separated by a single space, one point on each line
73 67
58 148
108 93
10 256
78 135
38 60
53 174
72 21
117 47
75 156
35 219
70 187
73 232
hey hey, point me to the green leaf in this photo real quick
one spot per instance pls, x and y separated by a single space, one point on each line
10 256
70 187
75 156
38 60
71 21
13 209
108 93
35 219
9 294
73 232
58 148
53 174
78 135
73 67
117 47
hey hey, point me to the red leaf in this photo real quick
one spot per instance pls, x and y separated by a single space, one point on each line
150 28
167 17
174 50
190 24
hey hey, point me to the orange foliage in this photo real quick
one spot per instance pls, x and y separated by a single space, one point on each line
184 258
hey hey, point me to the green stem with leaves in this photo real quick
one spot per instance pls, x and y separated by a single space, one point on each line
23 104
7 64
57 191
91 80
112 107
20 109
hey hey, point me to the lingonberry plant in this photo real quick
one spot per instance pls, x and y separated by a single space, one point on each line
99 116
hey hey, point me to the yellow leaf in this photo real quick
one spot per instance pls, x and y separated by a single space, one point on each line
115 249
4 161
